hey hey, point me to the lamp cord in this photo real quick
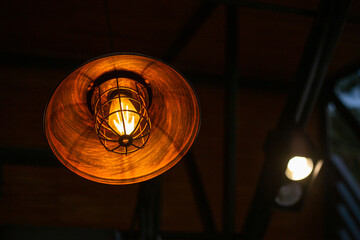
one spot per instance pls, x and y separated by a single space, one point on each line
107 15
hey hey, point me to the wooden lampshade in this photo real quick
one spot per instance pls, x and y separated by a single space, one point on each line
173 114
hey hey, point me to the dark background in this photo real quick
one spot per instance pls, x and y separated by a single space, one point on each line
43 41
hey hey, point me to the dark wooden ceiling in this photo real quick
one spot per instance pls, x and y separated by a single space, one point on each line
270 41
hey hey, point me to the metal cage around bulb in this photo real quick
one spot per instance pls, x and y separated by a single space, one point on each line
124 128
80 110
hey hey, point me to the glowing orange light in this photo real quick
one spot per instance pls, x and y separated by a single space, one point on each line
123 120
152 126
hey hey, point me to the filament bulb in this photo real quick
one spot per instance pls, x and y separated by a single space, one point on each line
123 120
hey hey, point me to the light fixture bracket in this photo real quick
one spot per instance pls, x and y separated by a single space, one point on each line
118 74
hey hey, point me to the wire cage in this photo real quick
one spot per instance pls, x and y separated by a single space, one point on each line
120 107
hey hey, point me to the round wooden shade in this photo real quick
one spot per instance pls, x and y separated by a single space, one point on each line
174 114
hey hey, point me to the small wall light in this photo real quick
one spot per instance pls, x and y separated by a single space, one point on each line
298 158
299 168
122 118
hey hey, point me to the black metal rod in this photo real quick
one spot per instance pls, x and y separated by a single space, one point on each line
190 28
28 156
194 235
271 7
149 202
315 61
167 235
231 122
260 211
108 24
199 193
41 61
336 25
308 66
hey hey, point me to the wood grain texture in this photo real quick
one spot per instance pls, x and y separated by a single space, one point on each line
174 113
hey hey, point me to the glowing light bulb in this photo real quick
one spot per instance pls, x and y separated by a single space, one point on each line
299 168
125 121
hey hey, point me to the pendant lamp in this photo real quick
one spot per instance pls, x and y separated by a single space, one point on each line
122 118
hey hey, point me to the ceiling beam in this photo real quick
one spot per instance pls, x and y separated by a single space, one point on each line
270 7
12 155
189 30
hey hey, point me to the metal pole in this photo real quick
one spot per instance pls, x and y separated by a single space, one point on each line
190 28
149 202
150 191
231 123
199 193
315 61
336 25
270 7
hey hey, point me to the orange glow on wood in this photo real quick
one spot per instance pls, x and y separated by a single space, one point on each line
174 114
